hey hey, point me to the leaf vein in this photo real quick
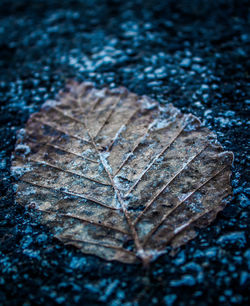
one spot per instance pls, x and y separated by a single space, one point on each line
77 195
150 234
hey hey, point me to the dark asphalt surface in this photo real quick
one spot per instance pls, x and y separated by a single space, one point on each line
193 54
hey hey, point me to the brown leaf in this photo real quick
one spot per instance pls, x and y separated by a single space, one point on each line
119 176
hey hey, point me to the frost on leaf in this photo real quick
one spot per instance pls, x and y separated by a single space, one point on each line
119 176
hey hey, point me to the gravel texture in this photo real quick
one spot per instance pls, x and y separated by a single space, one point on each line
191 53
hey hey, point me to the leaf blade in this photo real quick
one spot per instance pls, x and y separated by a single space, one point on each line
107 167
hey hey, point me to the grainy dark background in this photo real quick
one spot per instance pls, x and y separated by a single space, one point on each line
191 53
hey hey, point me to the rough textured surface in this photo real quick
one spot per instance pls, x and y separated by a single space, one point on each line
107 167
191 53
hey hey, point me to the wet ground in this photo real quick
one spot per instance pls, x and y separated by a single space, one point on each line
191 53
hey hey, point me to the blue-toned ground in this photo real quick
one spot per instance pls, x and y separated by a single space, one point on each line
191 53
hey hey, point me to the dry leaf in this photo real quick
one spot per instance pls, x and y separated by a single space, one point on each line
119 176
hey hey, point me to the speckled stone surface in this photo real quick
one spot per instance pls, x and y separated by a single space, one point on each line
193 55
